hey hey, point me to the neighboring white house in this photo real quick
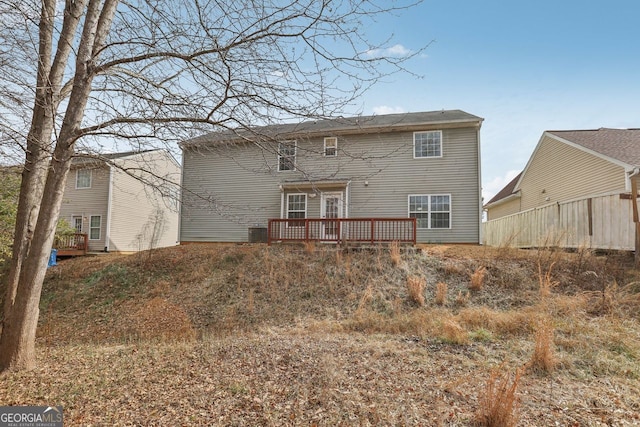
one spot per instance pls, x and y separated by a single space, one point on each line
416 165
578 183
124 202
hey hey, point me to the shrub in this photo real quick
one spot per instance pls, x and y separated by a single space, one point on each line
462 299
394 251
453 333
441 293
546 284
498 403
543 358
415 286
477 279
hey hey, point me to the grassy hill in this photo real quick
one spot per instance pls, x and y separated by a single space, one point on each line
284 335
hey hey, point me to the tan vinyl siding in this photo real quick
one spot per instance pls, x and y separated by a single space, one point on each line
88 202
504 209
559 172
135 206
233 187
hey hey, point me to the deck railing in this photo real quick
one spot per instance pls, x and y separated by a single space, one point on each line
343 230
72 244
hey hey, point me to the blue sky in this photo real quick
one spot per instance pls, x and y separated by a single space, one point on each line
524 66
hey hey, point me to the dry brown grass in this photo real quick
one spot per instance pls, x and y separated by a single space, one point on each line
477 278
160 319
394 253
543 359
546 283
454 333
310 247
615 299
415 287
441 293
340 298
498 403
505 323
462 299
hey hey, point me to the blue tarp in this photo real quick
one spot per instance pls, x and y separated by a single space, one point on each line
53 258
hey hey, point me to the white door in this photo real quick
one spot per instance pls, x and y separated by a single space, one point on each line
76 222
330 208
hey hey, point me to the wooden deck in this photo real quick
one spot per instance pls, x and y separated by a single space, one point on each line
72 245
342 230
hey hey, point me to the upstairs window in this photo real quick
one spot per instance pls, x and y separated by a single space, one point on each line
83 178
331 147
431 211
287 156
427 144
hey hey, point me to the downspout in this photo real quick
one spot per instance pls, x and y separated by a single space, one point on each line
180 188
632 173
281 202
346 200
480 236
107 236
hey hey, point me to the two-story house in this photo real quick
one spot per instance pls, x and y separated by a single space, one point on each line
124 202
415 165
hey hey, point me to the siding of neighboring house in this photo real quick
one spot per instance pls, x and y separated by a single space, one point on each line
566 173
503 209
140 217
88 202
242 183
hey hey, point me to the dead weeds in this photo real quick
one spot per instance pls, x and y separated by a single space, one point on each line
256 335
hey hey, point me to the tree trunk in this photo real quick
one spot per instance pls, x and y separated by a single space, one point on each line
37 156
17 343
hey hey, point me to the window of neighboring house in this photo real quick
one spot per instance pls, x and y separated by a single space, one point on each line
431 211
94 227
296 208
427 144
83 178
331 147
287 156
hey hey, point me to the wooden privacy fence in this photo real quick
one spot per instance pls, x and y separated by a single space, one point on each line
339 230
602 222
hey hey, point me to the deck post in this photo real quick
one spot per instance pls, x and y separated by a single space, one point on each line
306 230
372 230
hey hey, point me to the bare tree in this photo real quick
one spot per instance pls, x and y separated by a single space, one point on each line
98 74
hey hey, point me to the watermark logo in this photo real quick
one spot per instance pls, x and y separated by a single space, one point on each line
31 416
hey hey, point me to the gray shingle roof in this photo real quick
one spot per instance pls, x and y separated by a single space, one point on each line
619 144
506 191
340 125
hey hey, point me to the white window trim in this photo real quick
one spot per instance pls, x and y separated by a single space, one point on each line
324 152
306 208
90 178
295 155
427 157
99 228
430 212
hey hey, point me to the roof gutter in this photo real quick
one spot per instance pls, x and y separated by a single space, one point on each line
510 197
